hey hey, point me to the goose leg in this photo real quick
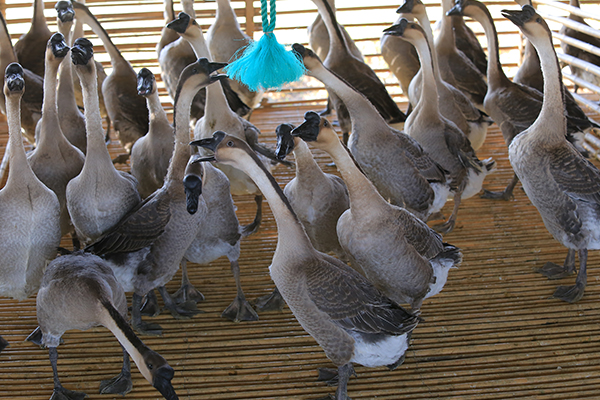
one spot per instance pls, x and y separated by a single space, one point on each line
555 271
187 292
253 227
270 302
327 109
239 309
573 294
344 373
506 194
447 226
142 327
178 311
60 393
120 384
150 305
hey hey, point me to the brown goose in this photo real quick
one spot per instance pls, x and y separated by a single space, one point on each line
79 291
397 252
127 111
100 195
439 136
400 169
466 41
564 186
55 161
31 47
31 111
331 301
357 74
145 248
150 154
29 211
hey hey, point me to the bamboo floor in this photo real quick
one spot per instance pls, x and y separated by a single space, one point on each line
494 332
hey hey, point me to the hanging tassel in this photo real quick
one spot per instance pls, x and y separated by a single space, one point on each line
266 64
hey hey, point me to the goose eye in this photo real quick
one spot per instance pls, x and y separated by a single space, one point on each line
325 123
538 20
150 366
230 143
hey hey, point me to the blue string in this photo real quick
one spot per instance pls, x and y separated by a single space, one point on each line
267 26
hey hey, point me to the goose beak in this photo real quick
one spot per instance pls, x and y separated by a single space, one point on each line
519 17
299 49
64 10
309 130
457 9
285 141
13 78
145 82
82 51
210 144
59 47
192 185
218 77
162 382
398 29
406 8
180 24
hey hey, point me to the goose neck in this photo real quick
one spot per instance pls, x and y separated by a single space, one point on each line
225 12
429 94
7 52
307 168
38 20
96 147
49 109
216 102
336 37
181 151
17 155
156 111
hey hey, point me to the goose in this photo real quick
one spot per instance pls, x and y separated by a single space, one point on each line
127 111
318 40
167 35
100 195
358 75
439 136
175 56
219 116
31 47
55 161
400 169
318 199
145 248
79 291
397 252
72 121
30 212
561 184
225 38
579 53
454 104
466 42
330 300
219 236
31 112
512 106
150 154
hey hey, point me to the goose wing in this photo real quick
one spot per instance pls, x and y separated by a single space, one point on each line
137 229
427 242
575 175
352 302
431 170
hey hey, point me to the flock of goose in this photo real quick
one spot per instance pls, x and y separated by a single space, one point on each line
132 231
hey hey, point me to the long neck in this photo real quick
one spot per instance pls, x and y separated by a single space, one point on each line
495 73
225 12
428 101
575 3
7 52
65 79
18 160
552 114
50 131
307 169
181 151
39 21
336 37
157 112
188 8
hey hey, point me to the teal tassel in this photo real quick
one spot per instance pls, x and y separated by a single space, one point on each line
266 64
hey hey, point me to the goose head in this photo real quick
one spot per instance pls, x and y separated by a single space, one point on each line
182 23
529 22
58 46
81 53
146 82
198 75
192 184
14 80
285 140
316 130
64 10
227 149
415 7
159 373
308 57
409 31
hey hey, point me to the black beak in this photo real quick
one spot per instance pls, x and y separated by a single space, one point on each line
519 17
65 11
180 24
309 130
457 9
299 50
285 141
14 77
59 47
398 29
406 8
192 184
162 382
209 143
145 82
209 66
82 51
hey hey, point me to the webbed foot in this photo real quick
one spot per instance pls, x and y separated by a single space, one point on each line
446 227
187 292
60 393
570 294
120 384
554 271
271 302
328 375
503 195
240 310
184 310
146 328
150 307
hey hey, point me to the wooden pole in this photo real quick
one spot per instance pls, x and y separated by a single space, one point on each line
249 18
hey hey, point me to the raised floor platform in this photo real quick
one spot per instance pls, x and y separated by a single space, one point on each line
494 332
